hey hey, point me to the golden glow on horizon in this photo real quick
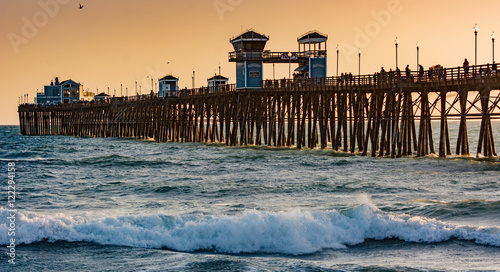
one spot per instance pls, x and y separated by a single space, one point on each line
121 42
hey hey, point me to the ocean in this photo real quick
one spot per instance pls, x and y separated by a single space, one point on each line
106 204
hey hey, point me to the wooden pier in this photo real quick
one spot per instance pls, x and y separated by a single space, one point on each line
379 115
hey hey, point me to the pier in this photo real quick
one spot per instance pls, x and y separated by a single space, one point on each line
382 115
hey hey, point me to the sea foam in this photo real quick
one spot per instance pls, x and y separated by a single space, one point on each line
292 232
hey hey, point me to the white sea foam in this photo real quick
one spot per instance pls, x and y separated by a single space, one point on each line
294 232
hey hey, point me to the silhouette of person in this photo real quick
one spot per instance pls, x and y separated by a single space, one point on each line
466 67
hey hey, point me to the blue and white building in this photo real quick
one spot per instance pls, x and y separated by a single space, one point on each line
169 86
67 91
312 45
217 82
249 57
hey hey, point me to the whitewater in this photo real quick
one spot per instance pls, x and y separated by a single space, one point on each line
91 204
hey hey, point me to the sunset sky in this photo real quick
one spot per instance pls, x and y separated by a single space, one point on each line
119 41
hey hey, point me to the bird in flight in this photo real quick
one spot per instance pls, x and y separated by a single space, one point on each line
81 7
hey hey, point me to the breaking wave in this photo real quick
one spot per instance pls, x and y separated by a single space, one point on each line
292 232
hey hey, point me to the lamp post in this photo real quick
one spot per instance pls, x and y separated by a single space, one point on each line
140 89
136 86
476 29
418 55
126 91
193 76
338 50
218 80
152 85
108 90
493 45
396 42
121 89
359 62
289 65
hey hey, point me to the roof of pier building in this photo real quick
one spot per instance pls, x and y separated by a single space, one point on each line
313 36
218 77
250 41
169 78
69 81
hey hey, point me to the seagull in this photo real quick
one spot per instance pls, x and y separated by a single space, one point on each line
81 7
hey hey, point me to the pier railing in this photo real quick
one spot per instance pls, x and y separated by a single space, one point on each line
275 57
381 80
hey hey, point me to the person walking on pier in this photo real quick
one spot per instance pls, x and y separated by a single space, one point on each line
420 72
466 67
408 73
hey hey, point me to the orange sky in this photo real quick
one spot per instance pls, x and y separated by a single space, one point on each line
114 41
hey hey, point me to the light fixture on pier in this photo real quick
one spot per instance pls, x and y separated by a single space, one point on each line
338 50
418 55
194 71
493 45
476 29
152 85
218 80
359 62
396 42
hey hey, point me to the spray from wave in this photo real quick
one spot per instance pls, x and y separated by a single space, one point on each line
294 232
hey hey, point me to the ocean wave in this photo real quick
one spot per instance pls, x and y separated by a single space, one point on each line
292 232
476 208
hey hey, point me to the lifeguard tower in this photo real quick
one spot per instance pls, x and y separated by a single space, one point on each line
168 86
216 82
248 55
312 49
